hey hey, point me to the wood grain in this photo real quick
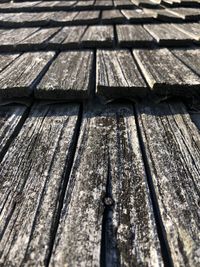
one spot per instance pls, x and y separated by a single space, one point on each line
165 74
11 119
18 79
32 175
172 145
98 36
118 75
167 34
69 77
107 174
133 35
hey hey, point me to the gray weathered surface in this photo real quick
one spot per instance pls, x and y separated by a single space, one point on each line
145 3
103 4
32 19
163 15
133 35
6 59
69 77
112 16
123 4
192 29
191 57
172 145
18 79
98 36
166 74
11 118
118 75
32 175
39 37
137 15
87 4
167 34
188 14
61 18
68 37
87 17
107 165
11 37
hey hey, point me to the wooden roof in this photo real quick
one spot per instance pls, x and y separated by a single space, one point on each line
99 133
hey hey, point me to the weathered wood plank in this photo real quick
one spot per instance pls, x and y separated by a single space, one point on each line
172 145
112 16
190 57
87 17
108 155
18 79
38 40
192 29
98 36
123 4
10 38
6 59
133 35
137 15
188 14
69 77
31 19
68 37
85 4
61 18
103 4
32 175
11 119
118 75
167 34
163 15
17 7
145 3
40 36
165 74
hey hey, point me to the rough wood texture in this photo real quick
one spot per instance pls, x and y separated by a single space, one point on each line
32 176
112 16
69 77
87 17
133 35
163 15
137 15
98 36
145 3
68 37
19 78
39 37
123 4
190 57
166 74
188 14
167 34
24 19
107 170
118 75
6 59
172 145
10 38
192 29
103 4
11 119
